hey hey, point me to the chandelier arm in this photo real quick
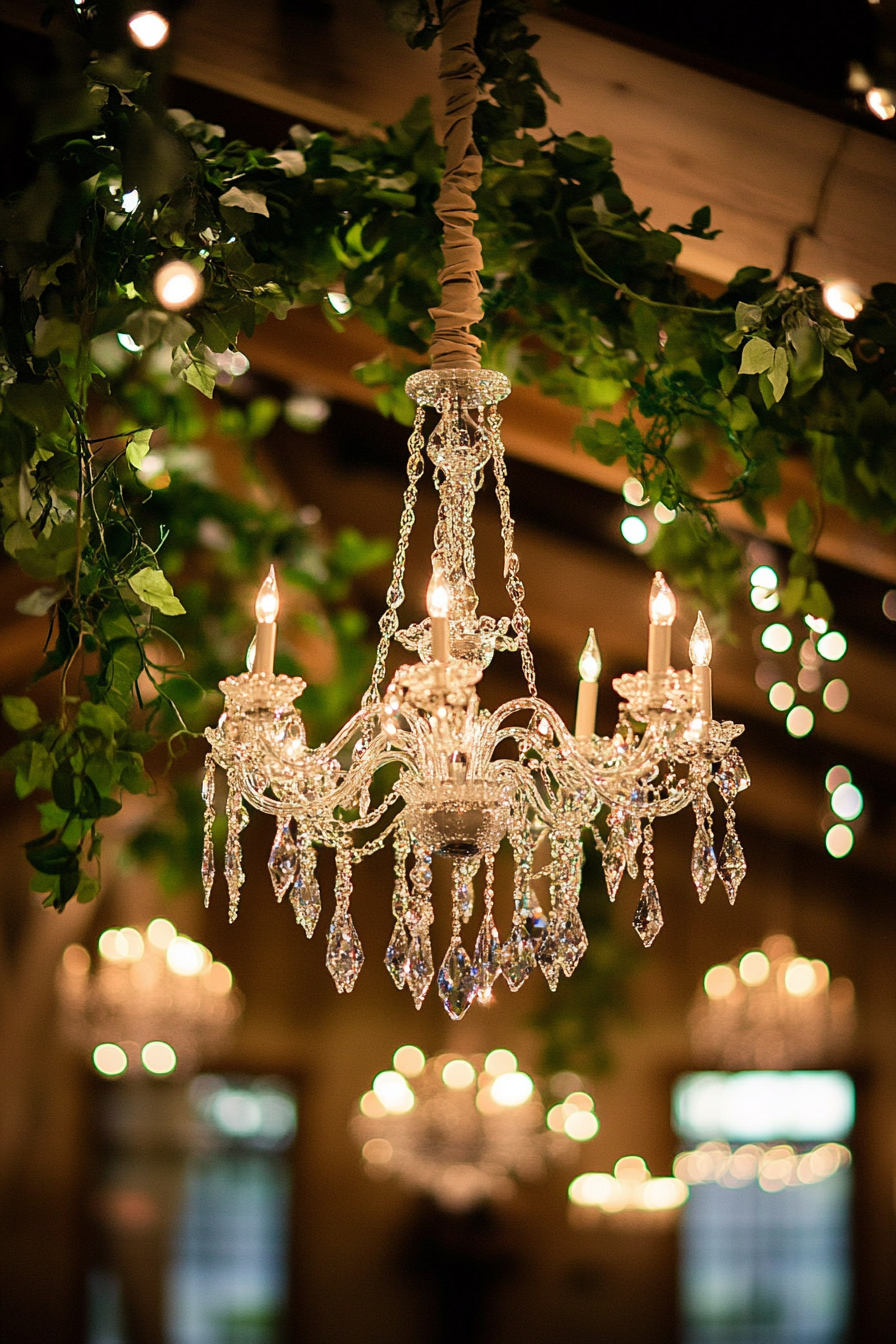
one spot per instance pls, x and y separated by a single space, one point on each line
454 346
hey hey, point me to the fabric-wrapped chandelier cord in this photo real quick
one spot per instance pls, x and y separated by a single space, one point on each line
454 346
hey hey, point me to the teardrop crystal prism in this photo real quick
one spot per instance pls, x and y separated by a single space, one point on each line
283 860
548 957
305 901
458 984
648 918
614 861
419 969
487 955
572 940
208 866
517 958
703 861
397 954
732 864
345 956
732 777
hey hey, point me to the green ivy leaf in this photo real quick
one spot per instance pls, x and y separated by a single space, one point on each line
800 525
138 447
757 356
778 374
153 588
20 712
252 202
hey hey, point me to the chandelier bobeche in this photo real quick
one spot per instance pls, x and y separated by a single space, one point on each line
424 764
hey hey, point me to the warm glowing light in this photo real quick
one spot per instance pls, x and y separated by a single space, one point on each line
267 603
177 285
665 1192
578 1101
593 1189
839 840
781 696
777 638
843 299
392 1090
109 1059
458 1074
754 968
631 1171
590 662
633 492
816 623
218 978
800 721
108 945
837 775
847 802
719 982
555 1119
581 1125
633 529
763 600
764 577
121 945
500 1061
371 1106
888 604
377 1151
662 606
832 646
663 514
161 932
438 596
409 1060
512 1089
700 646
836 695
882 103
130 201
800 978
184 957
339 301
76 960
158 1057
148 28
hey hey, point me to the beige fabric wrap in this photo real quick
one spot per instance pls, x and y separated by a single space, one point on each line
453 344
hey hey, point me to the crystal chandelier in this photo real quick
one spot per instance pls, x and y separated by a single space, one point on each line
771 1009
462 1129
423 764
631 1195
155 999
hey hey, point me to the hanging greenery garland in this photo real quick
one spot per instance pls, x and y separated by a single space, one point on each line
581 298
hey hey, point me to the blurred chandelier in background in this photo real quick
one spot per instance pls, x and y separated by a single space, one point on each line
463 1129
631 1196
774 1167
424 763
156 999
772 1009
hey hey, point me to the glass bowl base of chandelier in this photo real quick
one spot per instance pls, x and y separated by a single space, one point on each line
459 821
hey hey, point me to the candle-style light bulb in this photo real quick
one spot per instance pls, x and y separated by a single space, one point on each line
589 671
590 662
662 606
700 647
700 653
662 609
438 604
267 607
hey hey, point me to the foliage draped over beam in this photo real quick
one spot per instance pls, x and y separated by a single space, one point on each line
581 297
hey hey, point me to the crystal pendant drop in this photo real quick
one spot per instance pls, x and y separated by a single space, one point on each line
283 860
457 982
419 968
397 954
732 864
548 956
305 901
632 841
614 861
703 861
208 866
517 958
345 956
487 956
648 918
732 777
572 940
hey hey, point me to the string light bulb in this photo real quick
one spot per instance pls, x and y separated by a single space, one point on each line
267 609
177 285
438 604
882 103
842 298
267 603
149 29
589 671
662 606
590 662
700 646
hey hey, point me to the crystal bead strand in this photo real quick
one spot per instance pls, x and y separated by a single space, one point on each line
487 951
518 952
419 969
648 918
208 845
283 860
305 894
345 956
731 779
237 819
614 852
703 855
514 584
397 952
458 976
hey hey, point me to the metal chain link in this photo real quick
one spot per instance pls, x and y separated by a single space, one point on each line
515 590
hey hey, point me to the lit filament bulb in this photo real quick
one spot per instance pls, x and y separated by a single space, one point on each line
843 299
438 604
662 609
148 28
177 285
267 607
700 653
589 671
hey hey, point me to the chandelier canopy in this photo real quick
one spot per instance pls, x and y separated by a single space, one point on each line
423 763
